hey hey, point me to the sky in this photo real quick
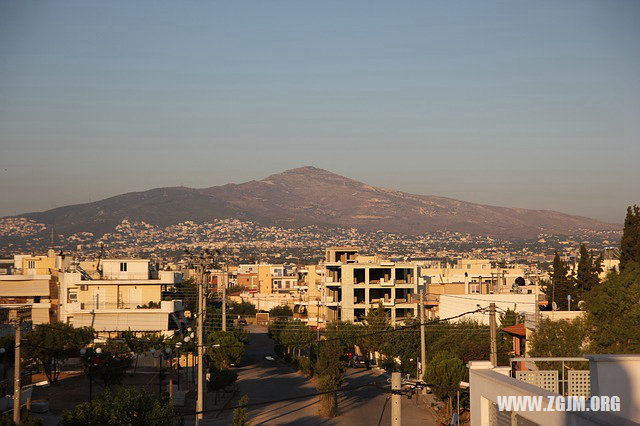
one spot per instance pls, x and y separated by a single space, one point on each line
532 104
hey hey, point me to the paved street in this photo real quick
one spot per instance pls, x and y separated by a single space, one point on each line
265 380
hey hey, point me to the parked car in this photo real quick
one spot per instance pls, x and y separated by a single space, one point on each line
242 321
359 362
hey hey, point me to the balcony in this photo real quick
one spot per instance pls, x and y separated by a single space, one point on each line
165 306
330 301
604 375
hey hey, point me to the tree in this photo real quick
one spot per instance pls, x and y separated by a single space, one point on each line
281 311
125 406
558 338
346 334
329 371
296 335
187 291
510 317
376 325
141 344
111 364
49 345
613 312
225 349
405 345
561 285
240 413
589 269
219 379
630 242
444 373
243 308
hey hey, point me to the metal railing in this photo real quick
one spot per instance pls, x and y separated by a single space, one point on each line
564 385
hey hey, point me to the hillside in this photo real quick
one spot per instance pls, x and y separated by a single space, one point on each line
309 195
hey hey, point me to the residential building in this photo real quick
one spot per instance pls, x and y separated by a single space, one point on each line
33 281
354 284
129 296
277 279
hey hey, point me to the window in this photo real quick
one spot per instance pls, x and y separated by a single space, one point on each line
468 266
72 296
123 266
31 264
474 288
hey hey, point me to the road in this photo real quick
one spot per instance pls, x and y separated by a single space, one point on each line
264 380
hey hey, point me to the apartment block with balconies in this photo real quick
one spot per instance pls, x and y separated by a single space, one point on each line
127 296
353 284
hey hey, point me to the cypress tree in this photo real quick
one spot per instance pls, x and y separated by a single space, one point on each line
630 242
589 269
562 284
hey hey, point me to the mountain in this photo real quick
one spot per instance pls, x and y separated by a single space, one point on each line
309 195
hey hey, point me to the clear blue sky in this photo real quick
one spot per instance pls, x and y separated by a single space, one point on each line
517 103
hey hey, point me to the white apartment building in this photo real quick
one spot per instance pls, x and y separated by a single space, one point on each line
128 296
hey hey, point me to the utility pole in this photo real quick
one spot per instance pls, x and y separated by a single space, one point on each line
537 308
16 372
170 360
493 329
224 297
200 400
318 321
201 262
396 399
423 338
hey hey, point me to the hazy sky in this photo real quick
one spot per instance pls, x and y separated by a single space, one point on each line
517 103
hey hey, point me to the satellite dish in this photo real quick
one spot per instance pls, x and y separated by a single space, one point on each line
187 314
520 281
555 306
581 304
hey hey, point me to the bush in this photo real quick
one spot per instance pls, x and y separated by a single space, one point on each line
220 379
240 413
305 365
281 311
25 419
389 364
127 406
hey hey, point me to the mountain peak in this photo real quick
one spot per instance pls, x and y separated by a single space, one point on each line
306 174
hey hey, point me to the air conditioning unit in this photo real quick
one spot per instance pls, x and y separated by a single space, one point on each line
84 287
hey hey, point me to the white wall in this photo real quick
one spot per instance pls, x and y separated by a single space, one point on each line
618 375
487 383
137 269
452 305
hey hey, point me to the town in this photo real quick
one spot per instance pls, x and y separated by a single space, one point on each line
68 307
319 213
